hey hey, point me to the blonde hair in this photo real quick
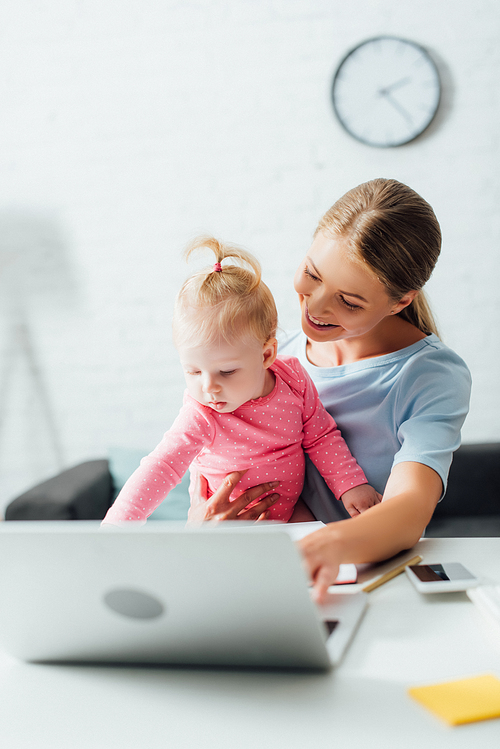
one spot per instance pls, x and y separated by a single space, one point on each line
224 301
394 231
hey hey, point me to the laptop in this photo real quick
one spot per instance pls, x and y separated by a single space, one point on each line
234 594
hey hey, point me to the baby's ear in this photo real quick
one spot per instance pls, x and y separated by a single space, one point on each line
270 352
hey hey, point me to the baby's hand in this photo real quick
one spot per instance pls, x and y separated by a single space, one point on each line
360 498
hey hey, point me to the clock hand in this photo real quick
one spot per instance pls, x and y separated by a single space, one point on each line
393 86
395 103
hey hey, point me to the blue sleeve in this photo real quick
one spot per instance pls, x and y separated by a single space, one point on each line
433 401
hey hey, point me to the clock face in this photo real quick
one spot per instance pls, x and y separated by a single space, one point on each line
386 91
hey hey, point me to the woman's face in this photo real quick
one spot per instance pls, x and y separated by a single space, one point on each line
339 298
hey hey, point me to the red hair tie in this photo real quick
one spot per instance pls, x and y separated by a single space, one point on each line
217 268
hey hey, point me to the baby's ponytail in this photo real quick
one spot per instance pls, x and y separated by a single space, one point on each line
242 278
225 300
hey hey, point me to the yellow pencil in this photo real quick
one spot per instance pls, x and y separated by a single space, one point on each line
393 573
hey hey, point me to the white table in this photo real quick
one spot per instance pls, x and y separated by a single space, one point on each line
405 639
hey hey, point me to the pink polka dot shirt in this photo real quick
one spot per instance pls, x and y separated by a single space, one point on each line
266 436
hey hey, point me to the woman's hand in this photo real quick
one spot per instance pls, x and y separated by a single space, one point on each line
360 498
219 507
322 558
396 523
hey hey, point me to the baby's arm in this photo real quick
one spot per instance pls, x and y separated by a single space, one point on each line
162 469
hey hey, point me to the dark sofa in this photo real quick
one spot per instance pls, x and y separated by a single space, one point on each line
471 506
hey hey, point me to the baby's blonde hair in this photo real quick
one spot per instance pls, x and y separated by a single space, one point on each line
226 303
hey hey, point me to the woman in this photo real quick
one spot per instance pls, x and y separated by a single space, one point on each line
370 344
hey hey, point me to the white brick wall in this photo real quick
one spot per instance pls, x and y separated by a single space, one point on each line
127 127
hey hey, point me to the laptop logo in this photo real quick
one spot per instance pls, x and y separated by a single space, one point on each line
134 604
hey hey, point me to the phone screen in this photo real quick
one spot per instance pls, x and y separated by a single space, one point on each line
433 573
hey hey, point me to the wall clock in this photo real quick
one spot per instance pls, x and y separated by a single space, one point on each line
386 91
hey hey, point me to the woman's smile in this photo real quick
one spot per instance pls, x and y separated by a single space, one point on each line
318 324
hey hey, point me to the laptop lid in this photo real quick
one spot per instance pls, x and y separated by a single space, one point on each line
231 595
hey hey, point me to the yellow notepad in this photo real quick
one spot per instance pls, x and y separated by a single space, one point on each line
463 701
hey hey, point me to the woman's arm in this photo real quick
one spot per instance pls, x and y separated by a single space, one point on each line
412 493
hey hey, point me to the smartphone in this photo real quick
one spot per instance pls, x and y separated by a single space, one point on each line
441 578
